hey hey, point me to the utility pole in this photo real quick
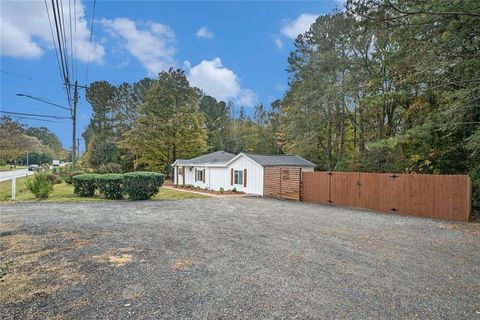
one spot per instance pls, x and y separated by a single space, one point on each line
74 125
78 148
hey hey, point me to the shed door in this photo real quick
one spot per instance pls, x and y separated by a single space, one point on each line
282 182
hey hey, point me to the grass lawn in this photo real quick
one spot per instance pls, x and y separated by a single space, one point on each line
7 168
64 193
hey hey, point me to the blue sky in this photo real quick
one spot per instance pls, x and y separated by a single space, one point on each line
235 51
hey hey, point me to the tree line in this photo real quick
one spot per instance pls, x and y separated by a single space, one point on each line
384 86
17 142
151 123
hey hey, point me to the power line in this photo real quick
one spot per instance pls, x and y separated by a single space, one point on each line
42 100
60 39
33 115
54 43
90 41
15 75
36 119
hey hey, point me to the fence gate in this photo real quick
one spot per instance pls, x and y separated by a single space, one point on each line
435 196
282 182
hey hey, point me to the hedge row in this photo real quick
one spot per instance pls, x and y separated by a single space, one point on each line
136 185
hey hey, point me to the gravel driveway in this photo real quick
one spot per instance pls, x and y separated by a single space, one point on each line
247 258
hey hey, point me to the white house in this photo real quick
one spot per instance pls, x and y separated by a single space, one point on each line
245 172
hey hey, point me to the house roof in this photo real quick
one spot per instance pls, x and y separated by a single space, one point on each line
222 158
266 160
214 158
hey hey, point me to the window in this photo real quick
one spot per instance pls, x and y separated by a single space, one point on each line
198 175
238 177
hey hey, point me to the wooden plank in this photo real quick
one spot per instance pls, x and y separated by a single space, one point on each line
435 196
316 187
344 189
376 192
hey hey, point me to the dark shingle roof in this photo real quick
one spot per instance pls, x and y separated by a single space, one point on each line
279 160
217 157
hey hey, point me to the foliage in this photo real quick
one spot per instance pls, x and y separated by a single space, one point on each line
170 124
111 167
221 190
40 185
69 176
110 185
3 162
85 184
50 141
51 177
386 86
13 140
142 185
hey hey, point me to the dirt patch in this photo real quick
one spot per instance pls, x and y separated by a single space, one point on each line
116 257
181 265
79 303
30 265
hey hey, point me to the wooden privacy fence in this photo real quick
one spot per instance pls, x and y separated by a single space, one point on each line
282 182
436 196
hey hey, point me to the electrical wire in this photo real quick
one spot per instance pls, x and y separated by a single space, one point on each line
33 115
90 41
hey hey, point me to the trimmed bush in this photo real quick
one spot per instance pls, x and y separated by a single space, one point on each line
40 186
85 184
70 175
142 185
110 185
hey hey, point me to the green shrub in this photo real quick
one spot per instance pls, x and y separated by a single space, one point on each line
40 185
70 175
59 180
85 184
51 177
110 185
234 189
142 185
221 190
111 167
3 162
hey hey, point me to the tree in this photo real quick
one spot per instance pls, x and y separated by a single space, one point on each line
170 124
48 139
13 141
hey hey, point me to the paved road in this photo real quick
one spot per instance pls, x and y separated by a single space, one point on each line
6 175
235 258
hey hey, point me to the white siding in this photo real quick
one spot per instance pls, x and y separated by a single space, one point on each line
219 177
254 175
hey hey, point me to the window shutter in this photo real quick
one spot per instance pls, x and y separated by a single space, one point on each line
195 175
245 178
203 175
231 176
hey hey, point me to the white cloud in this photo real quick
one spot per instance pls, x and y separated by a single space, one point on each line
220 82
303 22
25 31
278 42
203 32
153 44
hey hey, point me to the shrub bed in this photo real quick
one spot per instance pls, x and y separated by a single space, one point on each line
110 185
142 185
85 184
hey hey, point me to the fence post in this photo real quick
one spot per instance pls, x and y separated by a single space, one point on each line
14 187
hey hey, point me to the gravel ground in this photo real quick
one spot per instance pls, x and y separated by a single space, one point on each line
240 258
